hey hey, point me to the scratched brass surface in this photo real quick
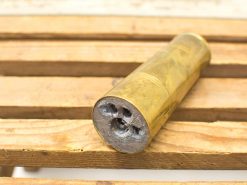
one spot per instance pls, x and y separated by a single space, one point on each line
158 86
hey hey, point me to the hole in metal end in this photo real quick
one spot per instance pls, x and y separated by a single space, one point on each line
119 127
108 109
126 113
136 130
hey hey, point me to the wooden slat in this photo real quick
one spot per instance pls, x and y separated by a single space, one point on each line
225 9
75 143
105 58
21 181
6 171
144 28
70 97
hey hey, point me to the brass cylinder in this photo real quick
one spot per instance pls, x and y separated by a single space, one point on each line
132 113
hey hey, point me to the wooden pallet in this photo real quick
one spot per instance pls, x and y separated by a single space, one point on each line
54 68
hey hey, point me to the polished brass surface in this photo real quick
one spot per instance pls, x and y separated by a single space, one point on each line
132 113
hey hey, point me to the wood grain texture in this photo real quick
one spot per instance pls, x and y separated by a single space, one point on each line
21 181
113 27
70 97
75 143
105 58
224 9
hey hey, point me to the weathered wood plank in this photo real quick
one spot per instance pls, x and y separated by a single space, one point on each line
21 181
105 58
75 143
6 171
224 9
113 27
70 97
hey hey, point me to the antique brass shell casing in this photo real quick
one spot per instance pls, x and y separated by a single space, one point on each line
132 113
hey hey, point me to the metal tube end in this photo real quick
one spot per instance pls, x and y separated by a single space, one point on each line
120 124
202 39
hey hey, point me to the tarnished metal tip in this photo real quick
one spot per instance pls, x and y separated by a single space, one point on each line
121 125
132 113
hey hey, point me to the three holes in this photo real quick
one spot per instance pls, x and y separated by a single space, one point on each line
120 124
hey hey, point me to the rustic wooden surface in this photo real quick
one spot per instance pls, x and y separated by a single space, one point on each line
19 181
193 8
44 115
70 97
82 58
124 28
6 171
75 143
